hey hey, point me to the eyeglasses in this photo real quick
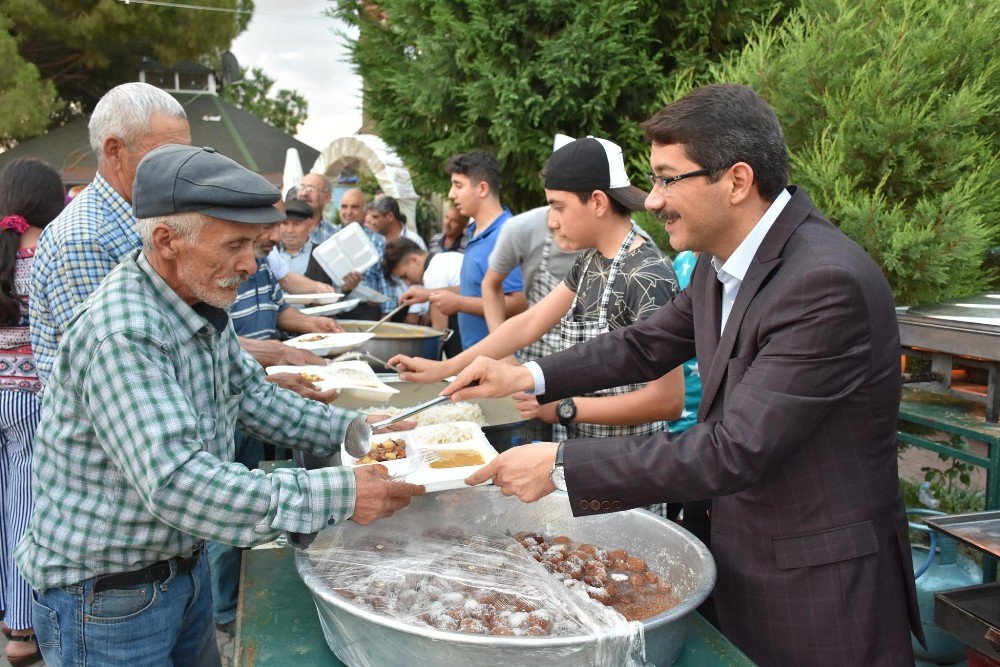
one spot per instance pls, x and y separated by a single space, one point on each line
665 181
309 188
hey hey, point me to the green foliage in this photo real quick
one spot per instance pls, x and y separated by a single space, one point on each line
85 48
960 501
947 480
287 110
890 113
443 77
26 101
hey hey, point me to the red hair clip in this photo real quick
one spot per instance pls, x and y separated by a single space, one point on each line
15 222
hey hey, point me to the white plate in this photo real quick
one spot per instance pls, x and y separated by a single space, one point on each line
322 344
315 297
332 308
434 479
352 378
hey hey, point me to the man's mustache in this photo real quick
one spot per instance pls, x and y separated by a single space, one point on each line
233 281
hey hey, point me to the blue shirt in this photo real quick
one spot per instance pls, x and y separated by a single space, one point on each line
300 261
684 267
75 252
474 265
258 301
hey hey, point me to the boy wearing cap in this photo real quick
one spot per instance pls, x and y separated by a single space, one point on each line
618 279
137 445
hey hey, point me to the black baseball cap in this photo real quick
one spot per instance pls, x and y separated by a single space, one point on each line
180 179
589 164
297 209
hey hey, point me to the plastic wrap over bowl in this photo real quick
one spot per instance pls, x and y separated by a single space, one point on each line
360 636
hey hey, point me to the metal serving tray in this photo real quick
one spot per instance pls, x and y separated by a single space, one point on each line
972 614
980 530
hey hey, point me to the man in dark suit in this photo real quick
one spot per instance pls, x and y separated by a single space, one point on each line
794 330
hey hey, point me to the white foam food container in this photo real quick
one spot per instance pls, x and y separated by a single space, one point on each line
354 378
348 250
434 479
322 344
314 297
332 308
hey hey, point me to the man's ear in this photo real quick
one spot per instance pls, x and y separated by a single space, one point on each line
166 242
114 150
599 203
741 178
482 189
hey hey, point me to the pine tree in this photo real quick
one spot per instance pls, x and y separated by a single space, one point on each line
890 111
443 77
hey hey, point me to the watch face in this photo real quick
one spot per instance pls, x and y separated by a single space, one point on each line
559 478
565 410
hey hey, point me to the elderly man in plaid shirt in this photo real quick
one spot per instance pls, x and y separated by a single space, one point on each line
136 451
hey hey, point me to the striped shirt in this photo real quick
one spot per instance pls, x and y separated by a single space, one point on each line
258 303
134 459
76 250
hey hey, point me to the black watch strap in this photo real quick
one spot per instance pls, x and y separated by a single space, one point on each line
564 404
559 453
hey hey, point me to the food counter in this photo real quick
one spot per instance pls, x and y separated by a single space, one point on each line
277 623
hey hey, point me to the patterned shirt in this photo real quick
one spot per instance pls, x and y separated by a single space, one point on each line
134 459
645 282
324 230
436 244
17 365
375 279
76 250
258 303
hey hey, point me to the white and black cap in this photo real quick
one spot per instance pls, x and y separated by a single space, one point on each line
588 164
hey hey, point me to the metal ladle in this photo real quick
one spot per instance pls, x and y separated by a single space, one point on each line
384 318
357 441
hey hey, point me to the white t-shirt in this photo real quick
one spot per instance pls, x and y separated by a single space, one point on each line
444 270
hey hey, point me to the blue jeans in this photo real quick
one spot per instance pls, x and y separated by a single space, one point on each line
224 560
164 623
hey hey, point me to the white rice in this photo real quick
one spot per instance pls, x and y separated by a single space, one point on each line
445 434
446 413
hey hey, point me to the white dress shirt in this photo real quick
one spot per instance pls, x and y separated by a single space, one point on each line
733 270
730 273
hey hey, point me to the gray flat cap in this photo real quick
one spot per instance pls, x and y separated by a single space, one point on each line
180 179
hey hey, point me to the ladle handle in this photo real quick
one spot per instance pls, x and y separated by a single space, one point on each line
384 318
437 400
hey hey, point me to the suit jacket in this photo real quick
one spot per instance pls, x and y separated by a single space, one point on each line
796 444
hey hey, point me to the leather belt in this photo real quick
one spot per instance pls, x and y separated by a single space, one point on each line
151 574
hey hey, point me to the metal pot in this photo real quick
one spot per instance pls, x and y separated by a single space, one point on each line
361 636
393 338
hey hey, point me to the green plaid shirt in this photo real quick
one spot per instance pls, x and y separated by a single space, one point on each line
134 458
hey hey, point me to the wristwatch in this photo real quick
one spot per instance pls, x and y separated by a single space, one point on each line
558 474
566 411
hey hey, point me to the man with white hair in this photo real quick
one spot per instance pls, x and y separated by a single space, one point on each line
97 230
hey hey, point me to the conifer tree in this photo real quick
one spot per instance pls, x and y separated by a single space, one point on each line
890 111
442 77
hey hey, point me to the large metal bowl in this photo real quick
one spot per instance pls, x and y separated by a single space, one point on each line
360 636
392 338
